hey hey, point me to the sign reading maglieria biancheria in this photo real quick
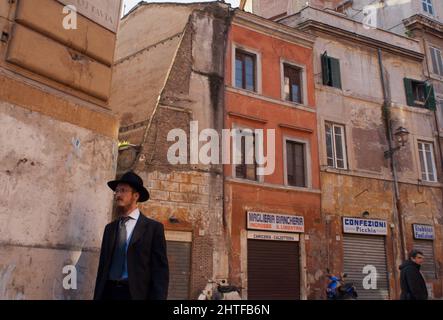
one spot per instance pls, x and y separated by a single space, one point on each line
275 222
103 12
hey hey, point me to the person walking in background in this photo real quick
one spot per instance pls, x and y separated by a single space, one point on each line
412 282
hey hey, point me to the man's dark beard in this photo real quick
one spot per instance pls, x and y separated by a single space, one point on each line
117 211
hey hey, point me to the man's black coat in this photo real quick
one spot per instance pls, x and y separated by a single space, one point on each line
148 271
413 286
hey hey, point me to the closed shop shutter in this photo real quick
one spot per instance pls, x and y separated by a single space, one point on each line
179 258
428 267
360 251
273 270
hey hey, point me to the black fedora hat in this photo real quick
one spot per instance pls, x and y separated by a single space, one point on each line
134 181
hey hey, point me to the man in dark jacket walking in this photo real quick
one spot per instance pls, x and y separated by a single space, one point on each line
133 261
413 285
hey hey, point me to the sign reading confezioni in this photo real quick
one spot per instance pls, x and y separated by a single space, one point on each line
104 12
364 226
275 222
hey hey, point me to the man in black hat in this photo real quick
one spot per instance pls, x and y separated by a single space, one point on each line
133 262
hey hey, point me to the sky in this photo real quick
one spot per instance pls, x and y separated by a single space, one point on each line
129 4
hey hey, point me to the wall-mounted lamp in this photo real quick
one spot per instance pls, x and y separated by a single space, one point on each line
401 138
401 135
365 214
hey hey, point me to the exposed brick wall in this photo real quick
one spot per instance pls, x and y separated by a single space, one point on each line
191 193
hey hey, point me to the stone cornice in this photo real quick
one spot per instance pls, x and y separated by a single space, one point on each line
419 21
354 37
272 28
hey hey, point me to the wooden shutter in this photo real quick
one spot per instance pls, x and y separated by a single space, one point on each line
409 92
430 96
335 72
326 72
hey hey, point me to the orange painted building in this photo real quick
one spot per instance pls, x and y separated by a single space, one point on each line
275 228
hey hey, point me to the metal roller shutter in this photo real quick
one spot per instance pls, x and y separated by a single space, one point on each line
179 258
428 267
362 250
273 270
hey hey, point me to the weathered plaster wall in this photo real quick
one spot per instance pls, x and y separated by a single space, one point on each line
54 203
59 147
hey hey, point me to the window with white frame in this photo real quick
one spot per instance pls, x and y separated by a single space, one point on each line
336 145
427 6
437 62
427 161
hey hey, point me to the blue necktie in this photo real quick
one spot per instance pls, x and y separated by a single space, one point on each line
119 256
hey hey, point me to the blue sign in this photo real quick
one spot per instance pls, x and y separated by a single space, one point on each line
364 226
423 231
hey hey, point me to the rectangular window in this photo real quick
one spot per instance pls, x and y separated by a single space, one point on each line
292 83
247 168
427 6
418 91
427 161
245 70
419 94
331 71
335 146
295 164
437 62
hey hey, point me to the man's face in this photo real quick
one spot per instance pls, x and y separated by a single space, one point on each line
125 196
419 259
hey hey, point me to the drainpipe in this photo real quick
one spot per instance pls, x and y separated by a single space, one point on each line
388 125
226 230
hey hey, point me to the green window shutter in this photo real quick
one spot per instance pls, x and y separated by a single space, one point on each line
430 96
326 72
335 71
409 92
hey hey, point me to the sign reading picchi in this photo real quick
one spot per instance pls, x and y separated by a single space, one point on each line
103 12
423 231
364 226
275 222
